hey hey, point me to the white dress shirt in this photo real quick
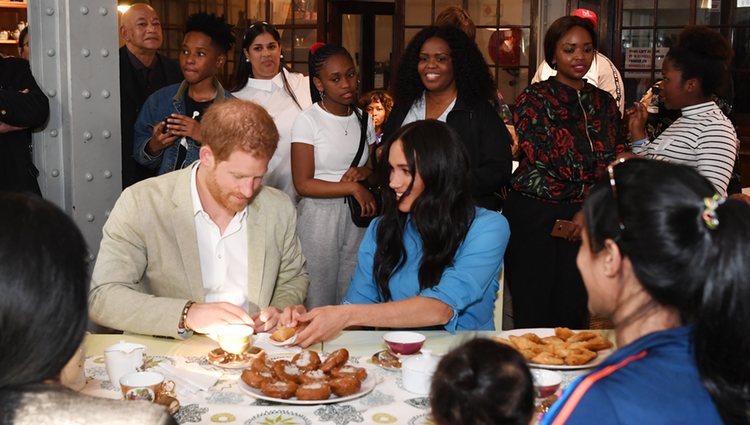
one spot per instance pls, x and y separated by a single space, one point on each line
223 258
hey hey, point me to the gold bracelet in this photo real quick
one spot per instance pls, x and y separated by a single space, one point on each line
183 319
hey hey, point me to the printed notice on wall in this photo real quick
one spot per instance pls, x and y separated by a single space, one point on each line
640 57
743 3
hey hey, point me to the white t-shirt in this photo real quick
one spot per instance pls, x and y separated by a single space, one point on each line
335 140
223 258
271 95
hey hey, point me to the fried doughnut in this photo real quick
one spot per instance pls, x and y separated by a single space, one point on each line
278 389
281 334
254 378
262 363
348 370
563 333
345 385
335 359
314 391
306 360
312 376
286 370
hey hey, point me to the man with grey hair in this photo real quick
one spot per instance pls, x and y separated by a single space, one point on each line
142 71
203 246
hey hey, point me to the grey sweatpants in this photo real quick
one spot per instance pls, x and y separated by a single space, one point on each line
330 242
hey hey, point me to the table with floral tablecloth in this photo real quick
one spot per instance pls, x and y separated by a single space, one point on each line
226 402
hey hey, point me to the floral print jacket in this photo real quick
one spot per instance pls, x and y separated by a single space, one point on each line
567 138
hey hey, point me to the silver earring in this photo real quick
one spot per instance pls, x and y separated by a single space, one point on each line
247 59
281 56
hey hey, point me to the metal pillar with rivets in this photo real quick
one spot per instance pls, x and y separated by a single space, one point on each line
75 61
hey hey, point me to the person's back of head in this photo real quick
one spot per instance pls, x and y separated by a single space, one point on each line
704 54
44 282
688 248
482 382
456 16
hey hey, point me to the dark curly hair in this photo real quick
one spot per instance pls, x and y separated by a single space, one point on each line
704 54
443 212
213 26
472 75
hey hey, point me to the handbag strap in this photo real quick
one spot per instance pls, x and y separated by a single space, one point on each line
362 138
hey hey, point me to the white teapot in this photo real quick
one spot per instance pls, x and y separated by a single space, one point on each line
417 371
123 358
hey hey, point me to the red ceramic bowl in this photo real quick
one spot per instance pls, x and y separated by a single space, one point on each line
546 382
404 342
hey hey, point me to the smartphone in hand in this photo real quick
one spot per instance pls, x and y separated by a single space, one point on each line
164 128
563 229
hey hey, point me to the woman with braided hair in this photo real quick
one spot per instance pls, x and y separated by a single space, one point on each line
325 141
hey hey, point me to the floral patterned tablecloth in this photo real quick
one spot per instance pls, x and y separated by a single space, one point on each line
226 402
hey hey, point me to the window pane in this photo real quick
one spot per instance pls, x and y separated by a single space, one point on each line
281 12
256 10
673 12
638 13
418 12
515 12
305 11
483 12
742 15
708 12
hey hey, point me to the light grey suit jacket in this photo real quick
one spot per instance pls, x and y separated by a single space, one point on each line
148 265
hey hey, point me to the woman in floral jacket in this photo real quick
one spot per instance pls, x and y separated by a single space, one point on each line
569 131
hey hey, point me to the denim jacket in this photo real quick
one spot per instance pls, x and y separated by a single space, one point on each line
168 100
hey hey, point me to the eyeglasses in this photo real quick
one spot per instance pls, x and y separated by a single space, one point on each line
613 186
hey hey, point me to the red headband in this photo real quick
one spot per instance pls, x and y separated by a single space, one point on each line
315 47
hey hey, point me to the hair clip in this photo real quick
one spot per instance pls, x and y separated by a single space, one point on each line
710 204
316 46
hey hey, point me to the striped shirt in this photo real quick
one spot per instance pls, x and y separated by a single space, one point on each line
702 137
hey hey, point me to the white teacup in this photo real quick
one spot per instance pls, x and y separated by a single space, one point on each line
149 386
235 338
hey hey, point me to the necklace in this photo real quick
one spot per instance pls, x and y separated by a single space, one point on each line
348 112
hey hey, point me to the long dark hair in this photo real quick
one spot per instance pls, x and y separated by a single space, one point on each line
704 54
442 214
473 79
685 264
245 68
44 281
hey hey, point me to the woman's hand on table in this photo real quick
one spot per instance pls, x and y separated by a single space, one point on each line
318 324
204 318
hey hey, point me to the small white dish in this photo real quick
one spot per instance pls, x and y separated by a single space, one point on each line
286 343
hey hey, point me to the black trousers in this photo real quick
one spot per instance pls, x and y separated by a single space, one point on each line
545 285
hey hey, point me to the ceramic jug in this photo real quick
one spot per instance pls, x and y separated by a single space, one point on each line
123 358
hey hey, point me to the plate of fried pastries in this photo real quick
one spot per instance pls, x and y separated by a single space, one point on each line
558 348
306 379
